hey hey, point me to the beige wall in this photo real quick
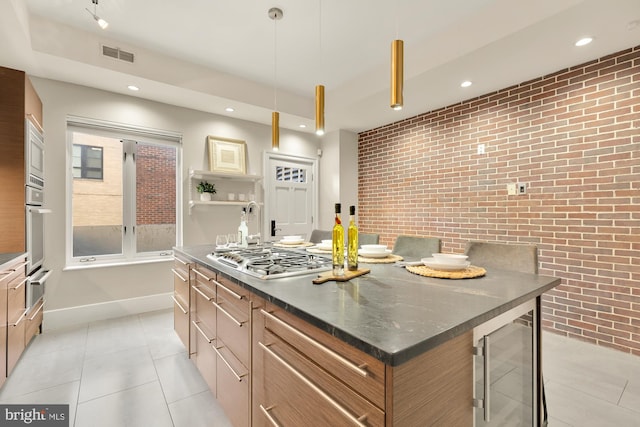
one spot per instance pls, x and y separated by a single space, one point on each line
105 284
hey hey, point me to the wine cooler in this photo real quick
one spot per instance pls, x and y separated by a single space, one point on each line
507 377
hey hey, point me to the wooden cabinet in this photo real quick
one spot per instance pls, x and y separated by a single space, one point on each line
220 340
181 301
304 376
203 324
13 312
18 100
33 321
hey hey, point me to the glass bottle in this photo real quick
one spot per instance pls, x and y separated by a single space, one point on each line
352 241
337 240
243 230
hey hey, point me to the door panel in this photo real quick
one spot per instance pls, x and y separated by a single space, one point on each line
291 195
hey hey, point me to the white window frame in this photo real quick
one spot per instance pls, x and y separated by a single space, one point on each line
129 134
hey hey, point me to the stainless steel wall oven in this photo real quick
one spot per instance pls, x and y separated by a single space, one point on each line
34 212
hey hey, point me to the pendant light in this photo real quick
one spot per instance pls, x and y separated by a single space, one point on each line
275 14
320 88
103 24
397 74
397 70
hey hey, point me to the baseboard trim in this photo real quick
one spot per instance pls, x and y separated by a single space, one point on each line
83 314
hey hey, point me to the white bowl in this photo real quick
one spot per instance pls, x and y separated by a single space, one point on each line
437 264
327 242
450 258
373 248
375 254
291 237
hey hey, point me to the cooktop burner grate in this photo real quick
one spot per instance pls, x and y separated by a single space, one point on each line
271 263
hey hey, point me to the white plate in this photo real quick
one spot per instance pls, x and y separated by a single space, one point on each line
292 242
439 265
376 254
324 248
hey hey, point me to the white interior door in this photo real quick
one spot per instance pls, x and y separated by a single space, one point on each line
290 195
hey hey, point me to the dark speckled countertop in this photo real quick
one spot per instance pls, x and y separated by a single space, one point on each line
8 257
390 313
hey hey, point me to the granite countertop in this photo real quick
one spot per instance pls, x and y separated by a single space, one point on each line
390 313
8 257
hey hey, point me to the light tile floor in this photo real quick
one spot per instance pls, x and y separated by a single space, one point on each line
134 371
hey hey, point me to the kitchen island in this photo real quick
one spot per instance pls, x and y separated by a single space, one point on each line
409 340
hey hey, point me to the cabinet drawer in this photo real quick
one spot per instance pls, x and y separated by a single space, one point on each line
15 343
203 353
361 372
181 286
233 327
16 298
181 322
34 320
233 383
297 392
203 309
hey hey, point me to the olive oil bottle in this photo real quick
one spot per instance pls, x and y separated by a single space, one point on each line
338 245
352 241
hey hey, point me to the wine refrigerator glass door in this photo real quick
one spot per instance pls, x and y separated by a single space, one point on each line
506 370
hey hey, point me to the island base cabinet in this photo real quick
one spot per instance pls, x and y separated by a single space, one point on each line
233 388
298 393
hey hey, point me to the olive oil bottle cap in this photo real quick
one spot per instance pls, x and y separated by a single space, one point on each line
337 207
352 210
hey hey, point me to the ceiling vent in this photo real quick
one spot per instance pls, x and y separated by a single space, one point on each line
116 53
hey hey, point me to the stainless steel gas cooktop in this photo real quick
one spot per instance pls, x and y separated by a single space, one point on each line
270 262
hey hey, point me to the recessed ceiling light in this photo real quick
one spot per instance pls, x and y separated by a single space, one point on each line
466 83
584 41
133 88
302 126
229 110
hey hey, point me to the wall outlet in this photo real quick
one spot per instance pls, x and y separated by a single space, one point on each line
480 148
522 188
511 189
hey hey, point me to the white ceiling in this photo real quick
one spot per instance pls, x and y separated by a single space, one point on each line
208 55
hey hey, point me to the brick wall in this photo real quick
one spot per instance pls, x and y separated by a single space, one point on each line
574 138
156 184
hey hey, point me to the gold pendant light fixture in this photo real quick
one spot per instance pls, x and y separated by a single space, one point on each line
397 68
397 74
320 88
275 14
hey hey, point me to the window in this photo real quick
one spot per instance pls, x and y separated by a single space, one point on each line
124 193
87 161
291 174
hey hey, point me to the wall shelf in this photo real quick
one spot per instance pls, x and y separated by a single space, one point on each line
235 182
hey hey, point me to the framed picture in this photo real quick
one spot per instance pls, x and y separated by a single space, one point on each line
226 155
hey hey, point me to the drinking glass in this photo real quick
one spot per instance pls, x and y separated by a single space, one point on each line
232 240
221 240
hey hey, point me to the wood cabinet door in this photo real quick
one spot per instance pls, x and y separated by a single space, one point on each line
299 393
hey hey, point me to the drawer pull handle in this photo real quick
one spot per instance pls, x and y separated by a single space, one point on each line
197 289
178 304
201 331
180 261
226 313
37 311
233 371
20 319
266 413
178 274
207 278
357 369
315 388
19 285
19 267
229 291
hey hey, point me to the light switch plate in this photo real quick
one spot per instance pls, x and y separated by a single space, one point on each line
512 189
